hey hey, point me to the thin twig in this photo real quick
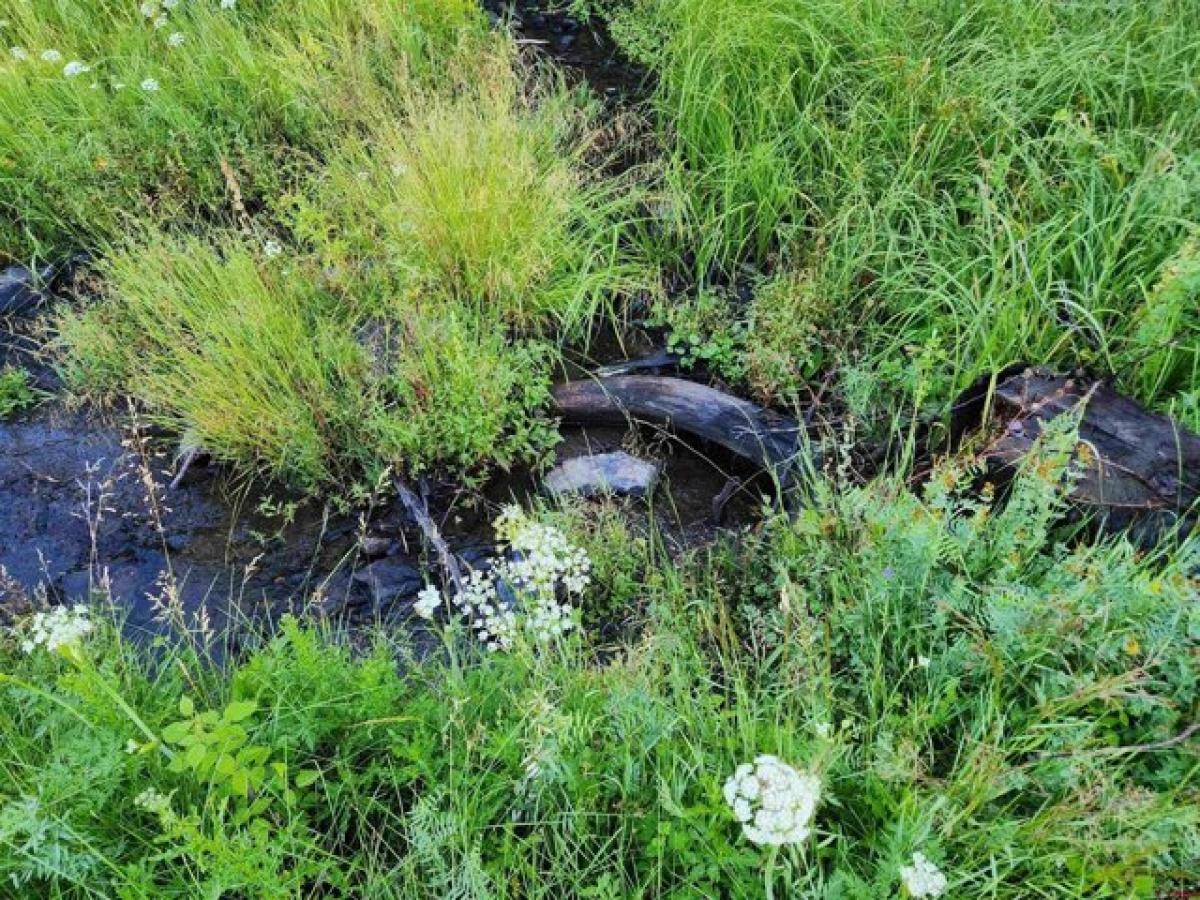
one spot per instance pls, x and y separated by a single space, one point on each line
416 508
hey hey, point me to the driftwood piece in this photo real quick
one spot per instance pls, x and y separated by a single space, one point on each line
1138 468
764 438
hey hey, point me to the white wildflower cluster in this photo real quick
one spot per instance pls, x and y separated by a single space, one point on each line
529 592
61 627
51 56
923 878
20 54
428 600
546 556
75 67
774 802
489 614
153 801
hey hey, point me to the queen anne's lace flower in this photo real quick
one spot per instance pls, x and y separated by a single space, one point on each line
228 4
75 67
150 85
529 593
428 600
18 53
923 878
774 802
149 10
60 628
176 39
51 56
272 248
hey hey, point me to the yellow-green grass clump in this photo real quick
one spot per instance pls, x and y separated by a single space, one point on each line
488 196
254 358
408 309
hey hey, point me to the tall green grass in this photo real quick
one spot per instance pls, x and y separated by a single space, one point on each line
251 93
990 182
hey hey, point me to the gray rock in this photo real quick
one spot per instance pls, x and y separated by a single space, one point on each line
603 473
374 545
390 580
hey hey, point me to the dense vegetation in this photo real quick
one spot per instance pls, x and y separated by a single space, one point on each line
339 238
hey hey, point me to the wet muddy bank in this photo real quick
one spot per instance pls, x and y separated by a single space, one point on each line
87 507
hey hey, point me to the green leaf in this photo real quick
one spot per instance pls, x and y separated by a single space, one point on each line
187 708
306 777
238 782
195 755
177 732
242 709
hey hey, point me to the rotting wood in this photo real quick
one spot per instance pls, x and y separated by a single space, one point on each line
1140 469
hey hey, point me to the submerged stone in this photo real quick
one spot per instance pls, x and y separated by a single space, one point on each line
389 580
603 473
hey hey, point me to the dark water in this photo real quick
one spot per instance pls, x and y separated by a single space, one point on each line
86 505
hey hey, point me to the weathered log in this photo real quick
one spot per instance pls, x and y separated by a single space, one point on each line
765 438
1139 469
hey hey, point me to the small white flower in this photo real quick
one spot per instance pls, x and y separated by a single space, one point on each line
149 10
272 248
774 802
923 662
176 39
150 85
51 56
228 4
428 600
160 22
118 85
132 746
75 67
18 53
170 4
823 730
923 878
60 628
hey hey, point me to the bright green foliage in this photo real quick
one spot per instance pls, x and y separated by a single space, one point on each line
16 393
965 684
1004 180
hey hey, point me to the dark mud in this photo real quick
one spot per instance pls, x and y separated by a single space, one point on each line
584 49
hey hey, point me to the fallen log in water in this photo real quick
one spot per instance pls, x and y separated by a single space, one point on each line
1139 470
763 437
